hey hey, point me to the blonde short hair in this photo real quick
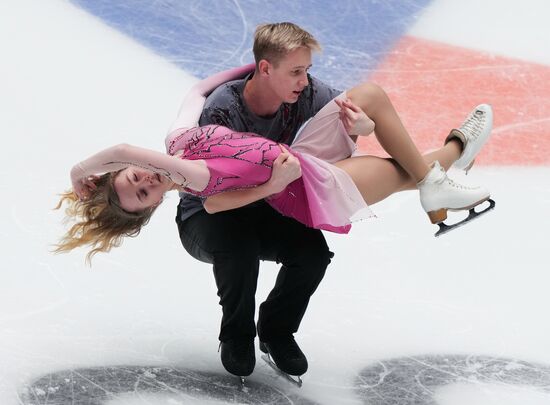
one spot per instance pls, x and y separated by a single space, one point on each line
273 41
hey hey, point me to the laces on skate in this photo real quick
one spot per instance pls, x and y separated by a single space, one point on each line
474 124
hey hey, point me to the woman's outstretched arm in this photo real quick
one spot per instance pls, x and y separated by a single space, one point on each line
185 173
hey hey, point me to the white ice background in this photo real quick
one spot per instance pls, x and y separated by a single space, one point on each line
70 85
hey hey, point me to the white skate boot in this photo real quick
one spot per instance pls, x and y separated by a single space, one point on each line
473 133
438 194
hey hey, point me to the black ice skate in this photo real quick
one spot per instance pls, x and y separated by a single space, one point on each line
238 357
285 357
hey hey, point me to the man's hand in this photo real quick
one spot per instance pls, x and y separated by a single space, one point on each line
286 169
355 121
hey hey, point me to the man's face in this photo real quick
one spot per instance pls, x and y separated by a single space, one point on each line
289 78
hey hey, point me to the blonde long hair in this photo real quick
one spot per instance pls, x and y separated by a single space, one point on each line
99 221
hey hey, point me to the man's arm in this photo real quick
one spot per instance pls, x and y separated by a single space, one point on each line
286 169
235 199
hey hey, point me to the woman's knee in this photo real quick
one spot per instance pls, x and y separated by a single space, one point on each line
367 96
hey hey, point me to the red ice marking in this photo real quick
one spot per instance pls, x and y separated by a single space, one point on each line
434 86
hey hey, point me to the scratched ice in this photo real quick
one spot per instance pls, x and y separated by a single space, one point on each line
400 318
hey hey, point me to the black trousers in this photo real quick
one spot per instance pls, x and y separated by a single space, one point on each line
234 242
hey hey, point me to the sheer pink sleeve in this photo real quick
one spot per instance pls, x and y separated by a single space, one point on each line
191 107
193 174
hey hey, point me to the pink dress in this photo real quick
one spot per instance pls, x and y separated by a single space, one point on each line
324 197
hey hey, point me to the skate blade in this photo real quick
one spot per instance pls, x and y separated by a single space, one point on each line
242 386
473 214
296 381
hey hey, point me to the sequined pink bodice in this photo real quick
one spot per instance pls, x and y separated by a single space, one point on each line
236 160
320 198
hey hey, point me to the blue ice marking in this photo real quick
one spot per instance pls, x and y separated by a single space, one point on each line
206 36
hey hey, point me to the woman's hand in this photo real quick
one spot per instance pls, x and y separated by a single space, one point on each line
355 121
82 186
286 169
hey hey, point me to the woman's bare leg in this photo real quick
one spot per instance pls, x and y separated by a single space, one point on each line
377 178
389 130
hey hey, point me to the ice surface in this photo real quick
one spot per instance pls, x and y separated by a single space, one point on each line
204 37
512 28
401 317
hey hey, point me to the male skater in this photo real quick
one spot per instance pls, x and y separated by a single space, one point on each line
235 240
274 101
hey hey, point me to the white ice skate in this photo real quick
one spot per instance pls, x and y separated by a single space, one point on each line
438 194
473 133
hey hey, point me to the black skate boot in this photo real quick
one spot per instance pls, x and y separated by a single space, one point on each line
286 354
238 356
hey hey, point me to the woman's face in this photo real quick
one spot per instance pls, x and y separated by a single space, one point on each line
138 189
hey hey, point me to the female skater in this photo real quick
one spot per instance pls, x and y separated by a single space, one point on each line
230 169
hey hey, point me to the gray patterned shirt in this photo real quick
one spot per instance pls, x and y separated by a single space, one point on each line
225 106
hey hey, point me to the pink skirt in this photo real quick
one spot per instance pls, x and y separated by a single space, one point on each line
324 197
